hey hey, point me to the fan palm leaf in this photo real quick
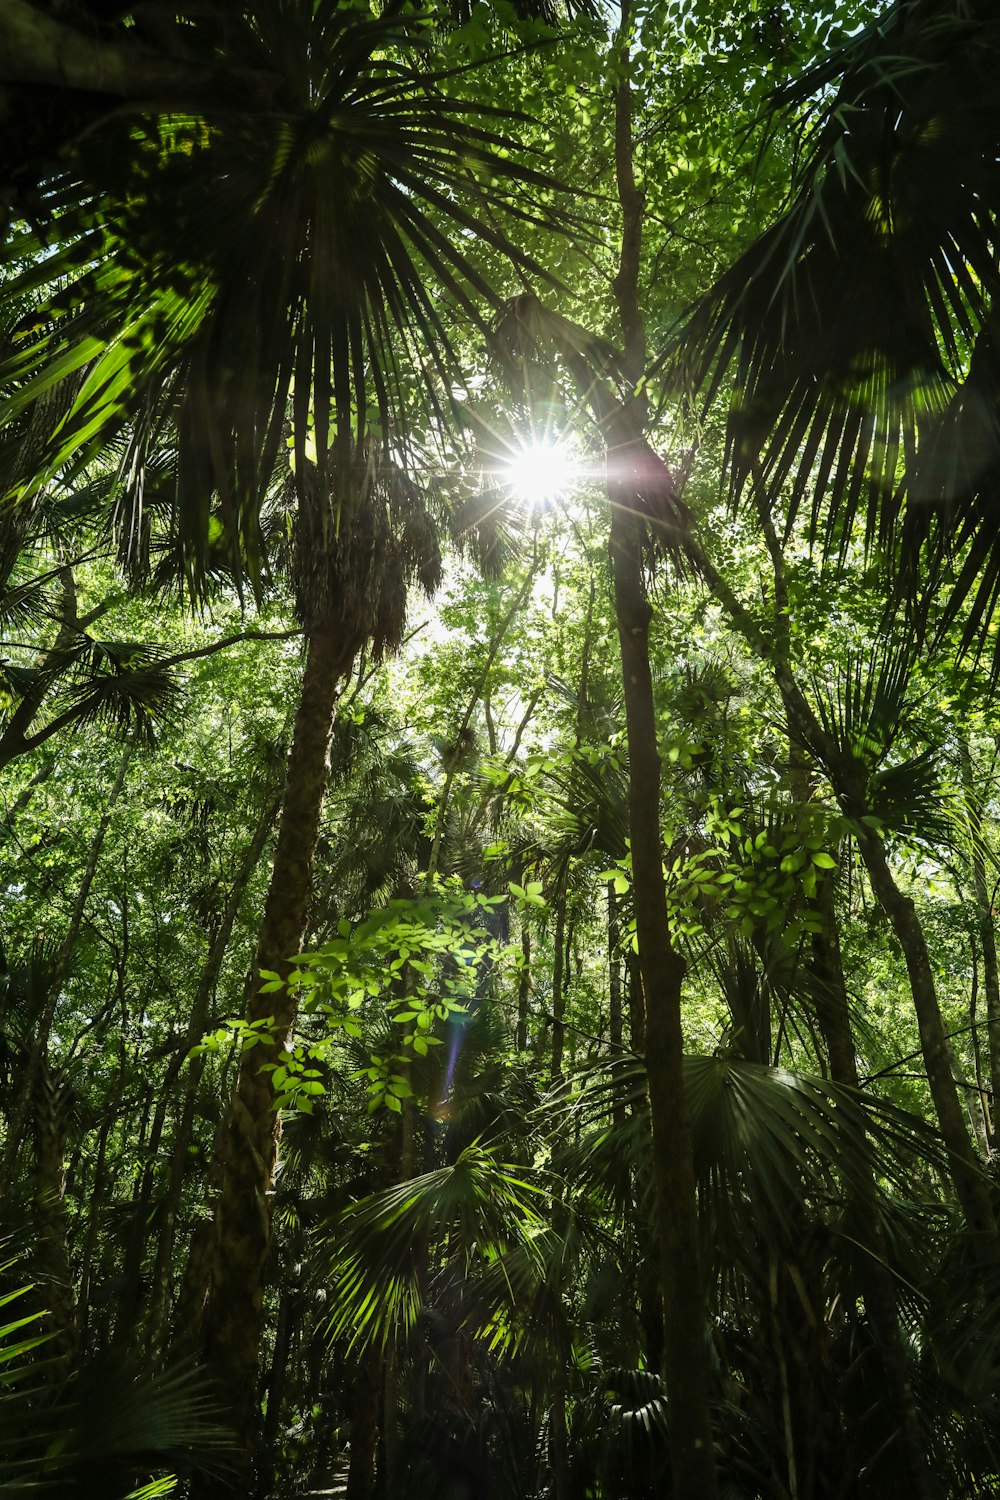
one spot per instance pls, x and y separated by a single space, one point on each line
302 259
762 1136
378 1266
871 709
90 1437
856 327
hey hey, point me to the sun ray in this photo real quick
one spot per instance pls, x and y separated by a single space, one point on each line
540 473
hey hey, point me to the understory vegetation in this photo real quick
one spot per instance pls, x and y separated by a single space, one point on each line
499 758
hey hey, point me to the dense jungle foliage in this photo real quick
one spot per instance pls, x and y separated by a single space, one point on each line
499 759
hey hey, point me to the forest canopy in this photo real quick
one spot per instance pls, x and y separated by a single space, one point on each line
499 791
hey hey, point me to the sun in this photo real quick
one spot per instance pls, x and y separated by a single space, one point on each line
541 472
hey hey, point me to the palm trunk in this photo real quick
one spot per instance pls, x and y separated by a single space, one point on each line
233 1316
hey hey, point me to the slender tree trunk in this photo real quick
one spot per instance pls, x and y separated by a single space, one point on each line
50 1221
558 1450
39 1049
685 1362
984 914
877 1282
636 1004
363 1407
685 1341
558 983
615 1015
127 1315
977 1051
523 989
614 974
233 1316
208 979
98 1196
289 1313
970 1184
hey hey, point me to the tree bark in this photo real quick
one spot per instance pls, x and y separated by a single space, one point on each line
849 780
98 1197
247 1153
363 1403
208 979
878 1287
51 1223
685 1361
984 915
37 1057
559 983
685 1357
523 989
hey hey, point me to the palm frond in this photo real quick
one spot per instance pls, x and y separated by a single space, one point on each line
306 257
378 1264
762 1136
25 603
95 1432
122 685
848 327
870 709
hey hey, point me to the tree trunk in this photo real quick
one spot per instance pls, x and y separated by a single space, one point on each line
878 1287
559 983
523 989
51 1224
363 1402
971 1186
37 1057
618 1115
208 979
289 1315
977 1052
984 915
685 1342
98 1197
636 1004
233 1315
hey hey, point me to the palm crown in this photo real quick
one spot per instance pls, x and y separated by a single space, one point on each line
285 272
858 329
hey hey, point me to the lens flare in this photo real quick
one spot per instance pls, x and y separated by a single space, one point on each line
541 472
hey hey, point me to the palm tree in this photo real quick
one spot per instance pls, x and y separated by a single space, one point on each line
859 330
282 272
96 1432
780 1157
